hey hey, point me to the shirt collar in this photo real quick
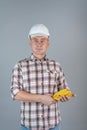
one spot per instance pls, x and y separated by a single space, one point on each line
33 58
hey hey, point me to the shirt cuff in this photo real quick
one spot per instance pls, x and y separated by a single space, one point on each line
15 91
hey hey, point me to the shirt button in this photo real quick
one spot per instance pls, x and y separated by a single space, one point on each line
41 116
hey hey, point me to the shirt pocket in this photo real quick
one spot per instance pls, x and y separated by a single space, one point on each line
52 77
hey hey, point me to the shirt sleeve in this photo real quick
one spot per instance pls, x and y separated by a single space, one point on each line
62 83
16 80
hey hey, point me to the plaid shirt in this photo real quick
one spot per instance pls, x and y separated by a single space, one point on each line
38 77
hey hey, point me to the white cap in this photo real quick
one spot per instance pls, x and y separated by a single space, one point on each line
38 30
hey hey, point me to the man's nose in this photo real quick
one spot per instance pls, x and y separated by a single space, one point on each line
39 43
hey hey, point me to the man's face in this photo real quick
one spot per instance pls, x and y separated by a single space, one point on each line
39 44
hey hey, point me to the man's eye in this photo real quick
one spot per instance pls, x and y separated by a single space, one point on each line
36 40
42 41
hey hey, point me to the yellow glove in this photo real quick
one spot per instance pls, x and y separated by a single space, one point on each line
63 92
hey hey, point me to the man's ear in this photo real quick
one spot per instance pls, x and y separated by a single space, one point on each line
30 42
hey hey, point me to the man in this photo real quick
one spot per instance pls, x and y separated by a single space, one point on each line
34 81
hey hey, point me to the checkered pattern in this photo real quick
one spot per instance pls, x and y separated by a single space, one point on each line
38 77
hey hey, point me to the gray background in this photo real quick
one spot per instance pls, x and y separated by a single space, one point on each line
67 22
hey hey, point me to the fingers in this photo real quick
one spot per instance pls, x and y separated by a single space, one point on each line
64 98
47 99
74 95
51 101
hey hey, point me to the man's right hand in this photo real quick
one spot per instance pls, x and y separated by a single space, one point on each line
47 99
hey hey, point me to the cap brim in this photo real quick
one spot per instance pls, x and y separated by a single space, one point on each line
38 34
